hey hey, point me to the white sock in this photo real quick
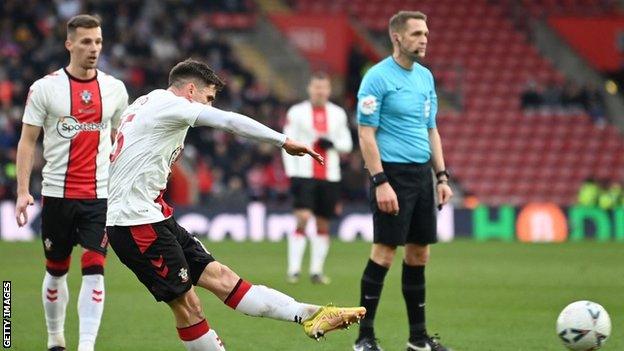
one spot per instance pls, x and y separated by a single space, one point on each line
208 340
55 297
296 249
90 309
260 301
318 252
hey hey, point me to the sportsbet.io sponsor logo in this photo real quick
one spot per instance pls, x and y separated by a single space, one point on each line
68 127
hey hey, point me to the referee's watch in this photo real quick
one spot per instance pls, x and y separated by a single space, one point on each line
379 179
443 172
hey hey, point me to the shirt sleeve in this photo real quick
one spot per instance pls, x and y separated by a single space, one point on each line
433 111
370 98
290 129
35 109
122 104
343 142
238 124
184 112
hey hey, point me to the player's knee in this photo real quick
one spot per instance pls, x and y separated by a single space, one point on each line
303 217
187 308
227 277
92 262
417 258
58 268
383 254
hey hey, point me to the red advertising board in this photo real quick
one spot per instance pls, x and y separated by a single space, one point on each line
600 40
324 40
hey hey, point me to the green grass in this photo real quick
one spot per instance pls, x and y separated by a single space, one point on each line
481 297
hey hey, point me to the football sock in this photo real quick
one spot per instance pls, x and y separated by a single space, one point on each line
413 280
319 248
90 309
260 301
371 286
296 249
199 337
55 297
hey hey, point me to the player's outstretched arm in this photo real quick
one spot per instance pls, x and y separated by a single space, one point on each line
252 129
293 147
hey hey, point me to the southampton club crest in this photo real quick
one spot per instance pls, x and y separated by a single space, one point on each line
183 274
47 243
86 95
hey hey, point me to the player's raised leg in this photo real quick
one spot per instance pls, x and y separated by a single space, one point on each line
262 301
193 329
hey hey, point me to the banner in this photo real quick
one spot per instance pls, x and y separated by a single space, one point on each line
532 223
324 41
256 222
599 39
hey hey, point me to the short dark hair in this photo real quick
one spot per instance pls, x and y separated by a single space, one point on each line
321 75
82 21
397 22
191 69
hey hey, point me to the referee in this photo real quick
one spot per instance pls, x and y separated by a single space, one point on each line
397 106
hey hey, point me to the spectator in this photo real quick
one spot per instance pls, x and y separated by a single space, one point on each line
29 31
589 193
531 98
610 197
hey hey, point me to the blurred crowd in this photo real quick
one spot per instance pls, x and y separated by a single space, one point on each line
142 40
564 98
604 194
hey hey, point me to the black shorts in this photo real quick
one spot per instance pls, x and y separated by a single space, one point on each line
164 256
416 221
320 196
67 222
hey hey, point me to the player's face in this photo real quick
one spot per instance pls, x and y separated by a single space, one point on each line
319 91
412 42
204 95
84 46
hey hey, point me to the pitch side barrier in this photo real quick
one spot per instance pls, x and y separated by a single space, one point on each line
256 221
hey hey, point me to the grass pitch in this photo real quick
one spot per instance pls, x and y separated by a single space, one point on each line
481 297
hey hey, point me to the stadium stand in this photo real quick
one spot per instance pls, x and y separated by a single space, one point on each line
32 45
499 153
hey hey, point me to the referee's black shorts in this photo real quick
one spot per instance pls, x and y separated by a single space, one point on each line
416 221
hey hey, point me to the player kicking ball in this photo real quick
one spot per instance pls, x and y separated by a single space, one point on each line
162 254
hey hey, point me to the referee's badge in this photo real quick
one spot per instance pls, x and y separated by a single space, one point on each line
368 105
427 109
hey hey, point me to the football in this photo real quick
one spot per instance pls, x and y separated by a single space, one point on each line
583 326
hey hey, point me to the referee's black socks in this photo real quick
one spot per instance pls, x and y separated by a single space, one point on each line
413 280
371 286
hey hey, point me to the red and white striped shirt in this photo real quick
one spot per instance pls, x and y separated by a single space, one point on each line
307 124
76 116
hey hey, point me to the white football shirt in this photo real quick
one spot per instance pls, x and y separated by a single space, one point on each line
307 123
149 140
76 116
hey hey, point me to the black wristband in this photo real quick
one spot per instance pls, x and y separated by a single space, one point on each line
443 173
442 181
379 179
